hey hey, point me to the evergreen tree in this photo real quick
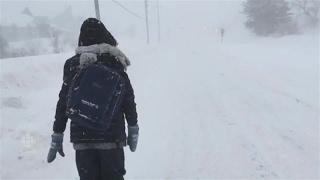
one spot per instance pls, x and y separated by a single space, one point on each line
268 17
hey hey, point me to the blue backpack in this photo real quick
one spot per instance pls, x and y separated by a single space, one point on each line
95 97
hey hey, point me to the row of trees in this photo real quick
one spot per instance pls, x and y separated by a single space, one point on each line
39 35
280 17
18 41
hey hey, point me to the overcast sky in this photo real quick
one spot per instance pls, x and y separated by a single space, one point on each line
175 15
11 9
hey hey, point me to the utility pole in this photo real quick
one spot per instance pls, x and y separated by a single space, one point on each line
147 20
158 14
96 5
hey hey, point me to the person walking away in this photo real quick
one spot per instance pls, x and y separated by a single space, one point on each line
97 97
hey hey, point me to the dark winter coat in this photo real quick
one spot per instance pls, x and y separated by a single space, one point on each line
113 58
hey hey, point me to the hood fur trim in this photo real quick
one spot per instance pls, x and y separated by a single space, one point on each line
88 54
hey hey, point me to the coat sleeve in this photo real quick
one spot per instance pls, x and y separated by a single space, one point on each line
129 104
61 118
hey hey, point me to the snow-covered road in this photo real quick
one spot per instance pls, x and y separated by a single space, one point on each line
236 110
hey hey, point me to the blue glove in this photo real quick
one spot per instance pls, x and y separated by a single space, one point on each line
133 135
56 146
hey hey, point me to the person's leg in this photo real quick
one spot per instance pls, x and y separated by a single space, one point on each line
88 164
112 164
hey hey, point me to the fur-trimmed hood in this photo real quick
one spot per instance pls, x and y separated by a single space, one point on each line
88 54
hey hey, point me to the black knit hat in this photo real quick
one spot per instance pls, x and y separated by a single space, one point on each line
93 31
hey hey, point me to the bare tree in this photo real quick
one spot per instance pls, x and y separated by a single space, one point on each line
55 41
308 8
3 47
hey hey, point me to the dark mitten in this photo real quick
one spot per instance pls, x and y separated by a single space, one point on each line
56 146
133 135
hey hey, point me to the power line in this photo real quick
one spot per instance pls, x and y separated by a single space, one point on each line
127 9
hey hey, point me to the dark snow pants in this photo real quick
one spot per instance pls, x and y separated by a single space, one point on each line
95 164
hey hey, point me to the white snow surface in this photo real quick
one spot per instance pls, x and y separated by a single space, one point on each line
207 110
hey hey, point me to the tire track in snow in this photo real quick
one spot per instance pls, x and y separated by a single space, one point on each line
235 110
263 123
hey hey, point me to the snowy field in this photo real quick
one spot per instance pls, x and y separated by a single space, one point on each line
207 110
